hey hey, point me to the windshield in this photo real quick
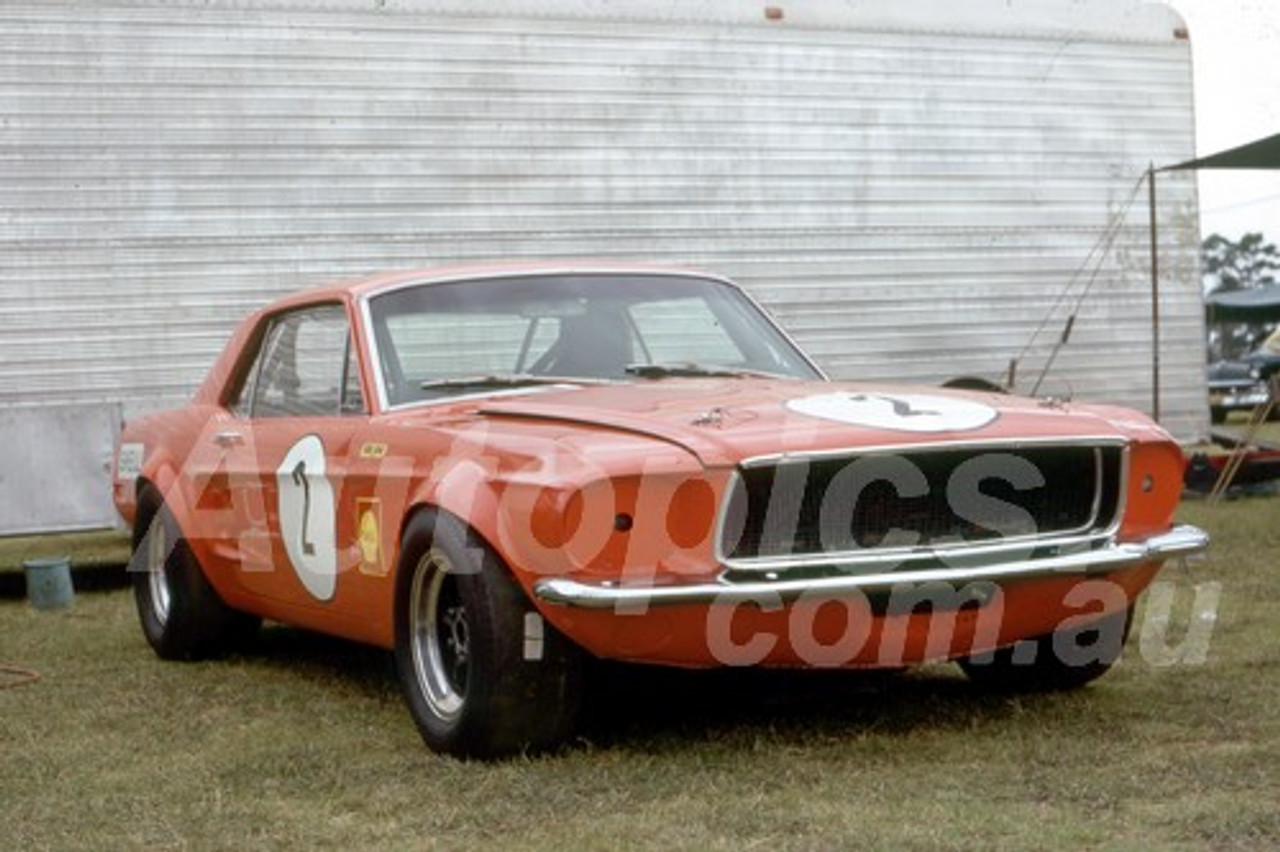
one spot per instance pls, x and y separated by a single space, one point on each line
440 340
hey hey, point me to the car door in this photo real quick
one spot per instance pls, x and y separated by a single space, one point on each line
286 452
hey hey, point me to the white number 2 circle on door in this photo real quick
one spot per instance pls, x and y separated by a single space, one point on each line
308 517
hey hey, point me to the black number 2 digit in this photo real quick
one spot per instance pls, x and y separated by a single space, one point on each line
300 479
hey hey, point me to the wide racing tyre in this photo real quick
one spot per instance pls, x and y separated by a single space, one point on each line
182 616
1060 661
482 674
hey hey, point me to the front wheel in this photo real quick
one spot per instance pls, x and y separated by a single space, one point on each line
482 674
1060 661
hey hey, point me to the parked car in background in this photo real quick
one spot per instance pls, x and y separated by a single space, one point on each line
1266 358
496 473
1234 386
1241 385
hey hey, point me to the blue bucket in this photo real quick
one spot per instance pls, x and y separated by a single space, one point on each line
49 582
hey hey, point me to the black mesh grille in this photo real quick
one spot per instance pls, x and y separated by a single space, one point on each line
923 498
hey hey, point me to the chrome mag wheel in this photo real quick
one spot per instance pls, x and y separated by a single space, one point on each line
440 636
157 576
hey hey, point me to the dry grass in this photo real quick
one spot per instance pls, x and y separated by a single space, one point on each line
94 548
303 743
1238 423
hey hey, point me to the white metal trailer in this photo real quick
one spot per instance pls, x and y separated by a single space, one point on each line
911 187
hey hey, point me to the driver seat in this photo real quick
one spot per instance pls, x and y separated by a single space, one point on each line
595 345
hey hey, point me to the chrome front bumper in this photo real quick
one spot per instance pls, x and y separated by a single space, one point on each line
1180 541
1251 398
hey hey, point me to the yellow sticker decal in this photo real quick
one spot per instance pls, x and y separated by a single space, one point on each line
369 535
373 450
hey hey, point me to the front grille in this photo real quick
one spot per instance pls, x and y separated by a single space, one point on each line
919 498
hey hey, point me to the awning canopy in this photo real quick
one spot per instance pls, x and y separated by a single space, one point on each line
1262 154
1257 304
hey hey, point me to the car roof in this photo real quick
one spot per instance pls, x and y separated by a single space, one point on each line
384 282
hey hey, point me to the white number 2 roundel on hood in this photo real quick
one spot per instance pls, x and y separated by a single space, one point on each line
902 412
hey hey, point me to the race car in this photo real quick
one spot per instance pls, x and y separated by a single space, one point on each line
499 473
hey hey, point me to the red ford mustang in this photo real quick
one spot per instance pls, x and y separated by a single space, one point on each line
497 472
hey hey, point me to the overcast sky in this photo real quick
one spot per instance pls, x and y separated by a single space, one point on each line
1235 47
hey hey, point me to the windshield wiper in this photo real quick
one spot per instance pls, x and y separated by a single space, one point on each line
494 380
689 369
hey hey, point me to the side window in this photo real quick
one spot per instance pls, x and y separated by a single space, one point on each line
683 330
305 368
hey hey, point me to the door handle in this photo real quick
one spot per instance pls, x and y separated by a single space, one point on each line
228 439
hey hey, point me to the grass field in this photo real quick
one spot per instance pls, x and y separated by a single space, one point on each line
304 743
1238 424
96 558
90 549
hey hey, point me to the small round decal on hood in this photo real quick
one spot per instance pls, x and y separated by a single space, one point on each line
903 412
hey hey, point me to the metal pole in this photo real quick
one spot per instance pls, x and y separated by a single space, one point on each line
1155 293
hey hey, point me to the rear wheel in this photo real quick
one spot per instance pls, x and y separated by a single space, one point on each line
482 674
182 616
1060 661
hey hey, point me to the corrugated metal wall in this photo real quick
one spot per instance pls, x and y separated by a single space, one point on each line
910 188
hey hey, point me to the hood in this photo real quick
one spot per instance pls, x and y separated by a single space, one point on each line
724 421
1232 371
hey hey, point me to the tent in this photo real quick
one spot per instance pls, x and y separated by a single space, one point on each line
1261 304
1257 305
1262 154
